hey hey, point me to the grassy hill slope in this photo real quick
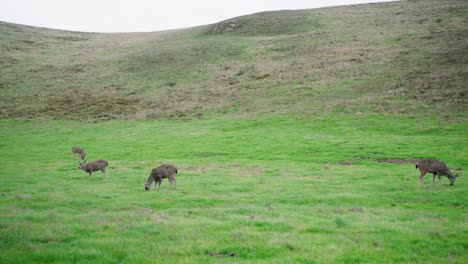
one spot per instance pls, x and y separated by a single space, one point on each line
403 57
310 123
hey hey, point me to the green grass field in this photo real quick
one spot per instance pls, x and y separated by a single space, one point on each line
268 190
294 134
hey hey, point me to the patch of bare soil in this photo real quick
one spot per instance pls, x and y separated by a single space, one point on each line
87 105
216 254
398 160
225 27
356 209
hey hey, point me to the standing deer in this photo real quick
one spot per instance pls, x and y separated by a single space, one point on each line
79 151
437 168
94 166
159 173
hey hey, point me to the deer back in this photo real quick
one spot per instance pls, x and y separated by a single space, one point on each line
164 171
434 166
78 150
97 165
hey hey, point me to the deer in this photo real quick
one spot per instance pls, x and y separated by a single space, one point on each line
437 168
94 166
79 151
159 173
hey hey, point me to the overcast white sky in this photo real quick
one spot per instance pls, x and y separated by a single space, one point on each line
143 15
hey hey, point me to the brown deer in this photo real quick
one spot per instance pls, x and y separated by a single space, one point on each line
94 166
437 168
79 151
159 173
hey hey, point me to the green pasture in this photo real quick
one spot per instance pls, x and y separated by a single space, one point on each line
249 190
294 134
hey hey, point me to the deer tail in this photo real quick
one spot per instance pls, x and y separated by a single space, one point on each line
175 171
416 165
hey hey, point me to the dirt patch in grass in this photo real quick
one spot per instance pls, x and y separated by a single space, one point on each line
398 160
356 209
209 154
216 254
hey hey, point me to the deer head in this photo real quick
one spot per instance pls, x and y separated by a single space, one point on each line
147 185
80 164
453 178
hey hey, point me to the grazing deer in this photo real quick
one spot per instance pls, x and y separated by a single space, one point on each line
78 150
437 168
159 173
94 166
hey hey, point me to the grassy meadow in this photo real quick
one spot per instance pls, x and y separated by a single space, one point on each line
265 190
294 134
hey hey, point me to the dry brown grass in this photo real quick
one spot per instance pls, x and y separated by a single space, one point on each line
401 57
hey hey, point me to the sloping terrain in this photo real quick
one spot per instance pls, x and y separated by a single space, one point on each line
310 124
405 57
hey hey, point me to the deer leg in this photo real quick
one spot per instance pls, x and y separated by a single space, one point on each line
433 178
89 176
104 171
440 181
174 180
170 181
159 184
420 178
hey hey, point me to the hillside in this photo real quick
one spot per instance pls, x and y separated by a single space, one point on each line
295 135
404 57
